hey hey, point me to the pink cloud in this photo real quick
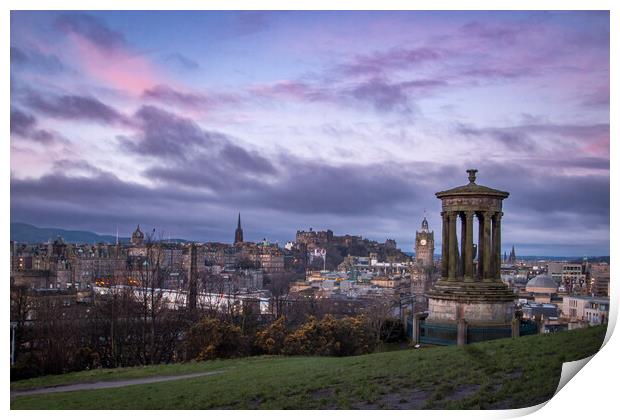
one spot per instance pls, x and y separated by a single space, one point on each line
118 67
598 147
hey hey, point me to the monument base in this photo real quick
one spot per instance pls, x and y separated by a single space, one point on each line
448 311
462 311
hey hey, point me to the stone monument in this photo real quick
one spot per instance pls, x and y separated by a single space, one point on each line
470 299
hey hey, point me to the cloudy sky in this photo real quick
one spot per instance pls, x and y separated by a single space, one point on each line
341 120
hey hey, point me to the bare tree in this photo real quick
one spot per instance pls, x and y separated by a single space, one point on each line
379 310
21 306
279 285
155 309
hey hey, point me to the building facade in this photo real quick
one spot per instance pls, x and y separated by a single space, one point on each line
593 310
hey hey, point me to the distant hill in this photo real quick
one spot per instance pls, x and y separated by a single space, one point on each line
30 234
25 233
540 257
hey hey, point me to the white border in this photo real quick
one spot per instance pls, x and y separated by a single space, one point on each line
590 394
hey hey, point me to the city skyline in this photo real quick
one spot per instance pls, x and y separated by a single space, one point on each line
348 121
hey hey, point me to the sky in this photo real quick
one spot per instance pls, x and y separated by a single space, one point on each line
348 121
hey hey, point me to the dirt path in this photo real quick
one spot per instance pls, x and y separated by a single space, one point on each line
108 384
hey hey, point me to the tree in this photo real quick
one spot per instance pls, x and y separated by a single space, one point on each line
159 319
21 305
379 311
279 285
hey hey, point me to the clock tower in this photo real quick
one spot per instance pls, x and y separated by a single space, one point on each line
424 245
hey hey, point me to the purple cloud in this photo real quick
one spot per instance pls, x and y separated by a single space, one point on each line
386 96
168 136
24 125
46 63
378 63
598 98
316 188
383 95
241 159
166 95
231 170
66 166
21 122
504 34
380 93
75 107
92 29
295 90
491 73
190 156
530 136
550 192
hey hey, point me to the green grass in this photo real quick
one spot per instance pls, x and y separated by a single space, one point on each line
382 347
97 375
508 373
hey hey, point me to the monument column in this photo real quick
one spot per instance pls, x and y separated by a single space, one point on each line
444 244
463 245
491 246
454 250
480 272
497 244
468 255
488 253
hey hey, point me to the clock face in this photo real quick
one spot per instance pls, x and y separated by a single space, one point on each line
423 242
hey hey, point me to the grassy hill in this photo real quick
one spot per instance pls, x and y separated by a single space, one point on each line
509 373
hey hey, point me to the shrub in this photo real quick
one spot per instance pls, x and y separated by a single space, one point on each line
305 340
27 366
331 337
271 339
356 336
86 358
211 338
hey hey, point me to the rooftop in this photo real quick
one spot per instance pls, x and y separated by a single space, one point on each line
542 281
472 189
590 298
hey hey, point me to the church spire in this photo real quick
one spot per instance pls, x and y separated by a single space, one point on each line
512 258
238 231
